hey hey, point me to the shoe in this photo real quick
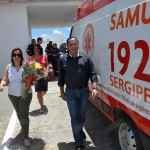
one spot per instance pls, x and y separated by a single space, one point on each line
27 142
79 147
41 110
84 136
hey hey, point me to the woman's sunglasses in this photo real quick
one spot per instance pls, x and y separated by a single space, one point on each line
16 55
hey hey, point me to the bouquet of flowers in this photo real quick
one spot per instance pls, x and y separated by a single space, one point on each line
33 71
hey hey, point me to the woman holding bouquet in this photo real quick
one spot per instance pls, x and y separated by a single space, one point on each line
41 85
13 74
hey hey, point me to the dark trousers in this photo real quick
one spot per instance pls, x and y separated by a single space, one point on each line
49 57
77 100
21 107
55 64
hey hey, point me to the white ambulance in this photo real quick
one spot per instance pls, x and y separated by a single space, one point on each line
116 35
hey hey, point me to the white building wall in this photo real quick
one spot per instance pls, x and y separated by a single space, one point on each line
15 25
13 31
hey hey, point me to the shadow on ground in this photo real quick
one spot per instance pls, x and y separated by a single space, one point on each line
71 146
37 112
96 126
18 144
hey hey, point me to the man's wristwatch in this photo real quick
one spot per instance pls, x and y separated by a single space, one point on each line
94 88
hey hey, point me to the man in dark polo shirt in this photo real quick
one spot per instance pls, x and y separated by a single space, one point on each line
30 47
39 42
76 69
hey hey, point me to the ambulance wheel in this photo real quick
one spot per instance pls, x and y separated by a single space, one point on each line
127 135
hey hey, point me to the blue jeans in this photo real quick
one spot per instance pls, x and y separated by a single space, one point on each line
77 100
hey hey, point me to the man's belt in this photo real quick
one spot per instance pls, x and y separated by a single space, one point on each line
76 87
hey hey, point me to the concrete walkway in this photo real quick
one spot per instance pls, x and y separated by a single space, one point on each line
6 110
52 130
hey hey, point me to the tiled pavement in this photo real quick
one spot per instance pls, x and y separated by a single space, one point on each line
52 130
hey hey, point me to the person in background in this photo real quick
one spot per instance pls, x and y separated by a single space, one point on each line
39 42
41 86
49 51
30 47
13 76
63 49
76 69
55 58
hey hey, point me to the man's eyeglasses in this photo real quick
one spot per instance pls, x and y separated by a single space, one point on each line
16 55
